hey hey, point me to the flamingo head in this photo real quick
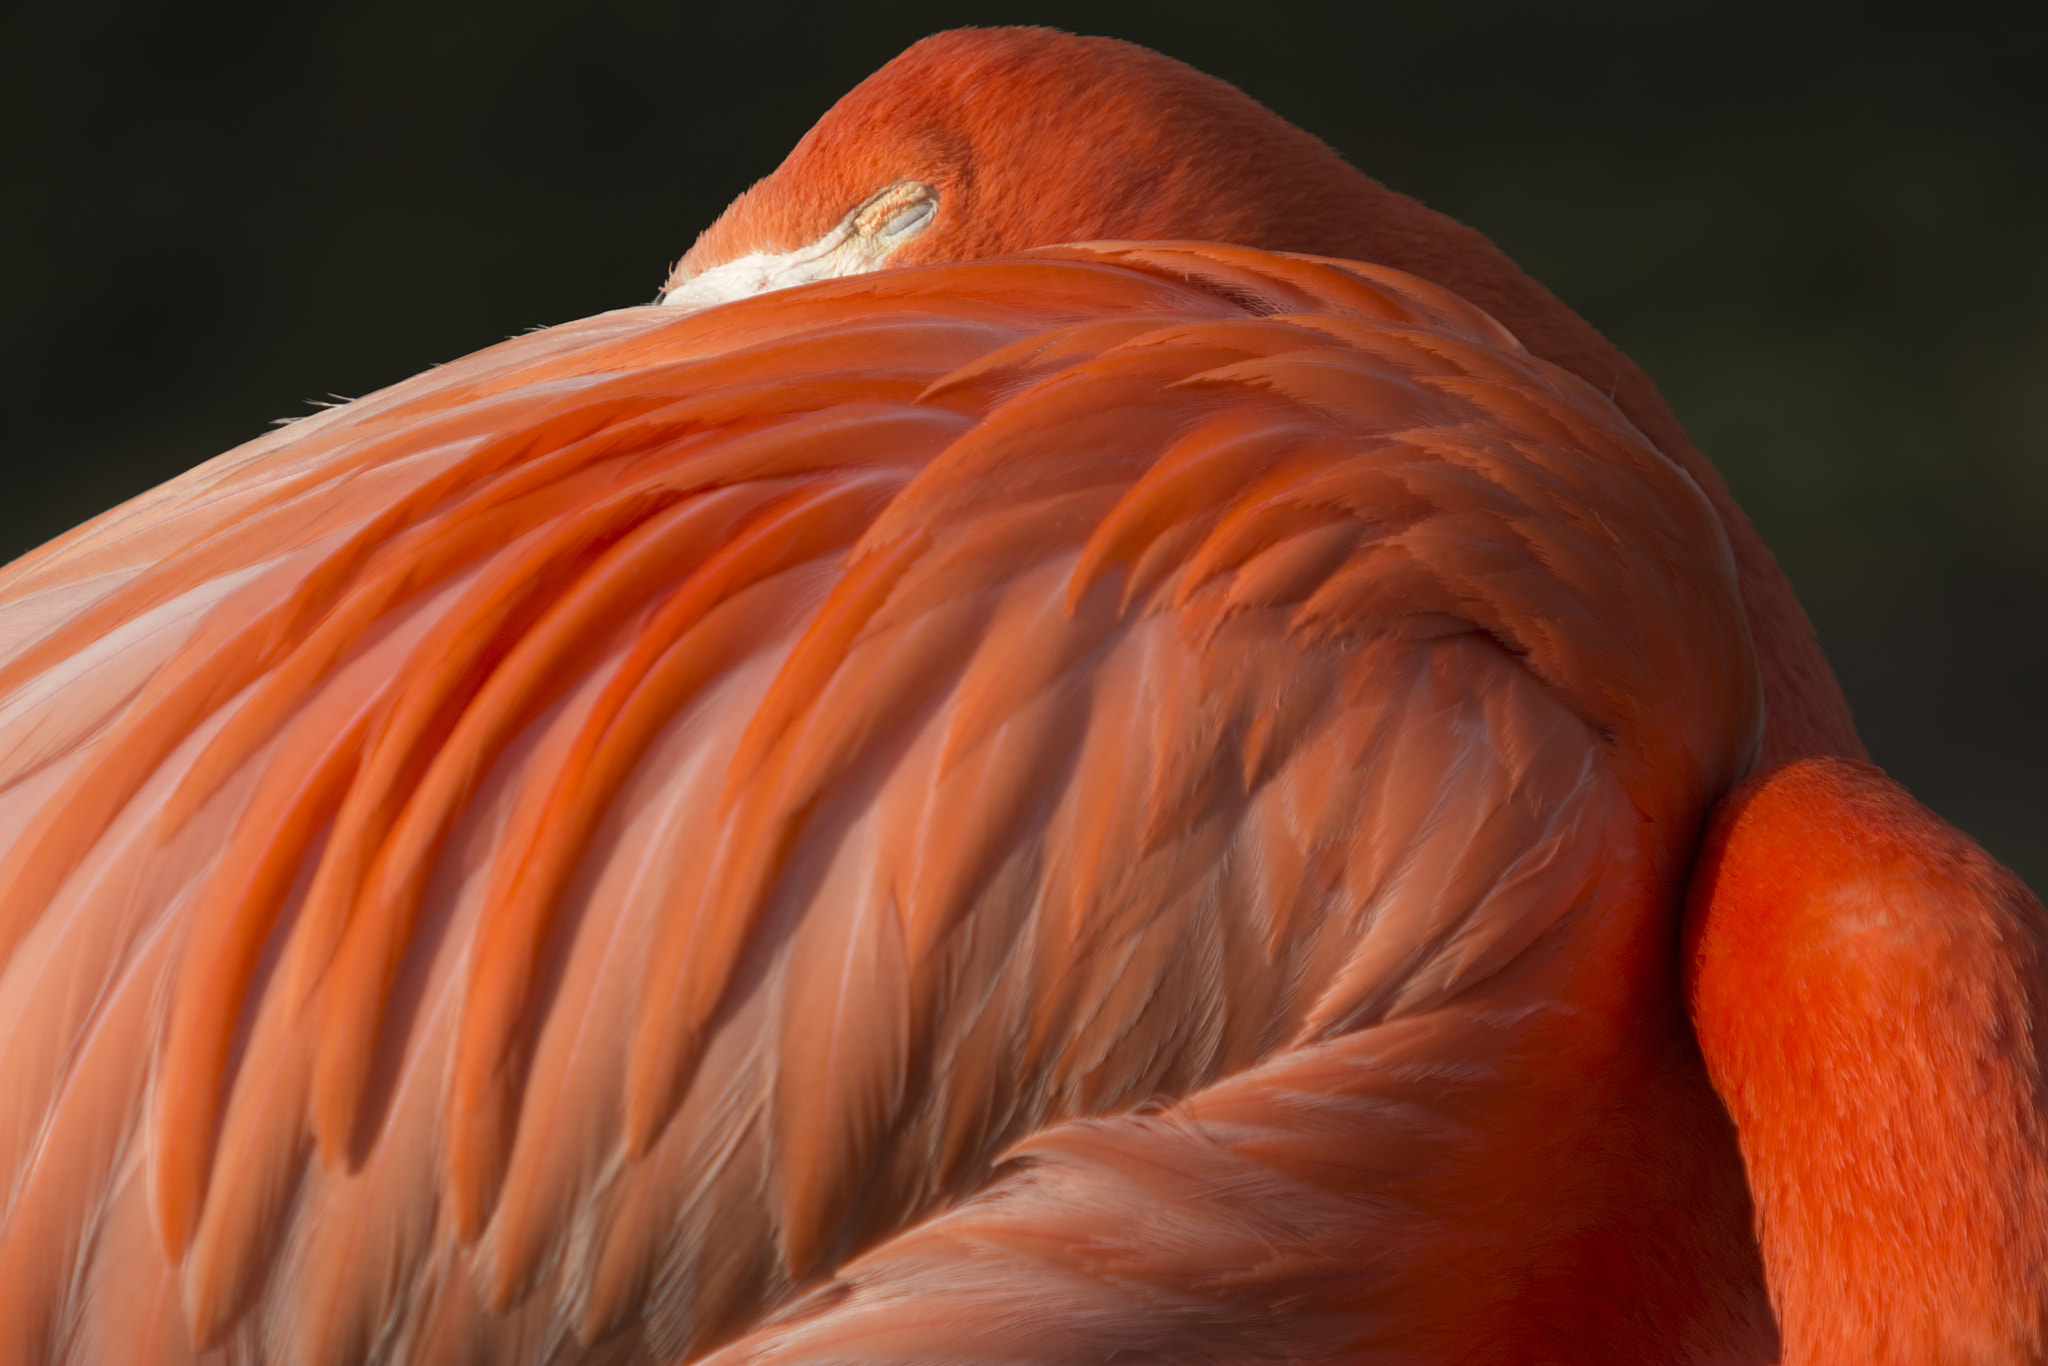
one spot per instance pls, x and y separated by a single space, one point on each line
981 142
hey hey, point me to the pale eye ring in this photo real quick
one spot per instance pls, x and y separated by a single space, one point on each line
898 213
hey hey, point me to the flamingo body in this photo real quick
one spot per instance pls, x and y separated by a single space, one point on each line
1130 798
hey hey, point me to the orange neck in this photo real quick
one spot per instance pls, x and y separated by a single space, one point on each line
1867 987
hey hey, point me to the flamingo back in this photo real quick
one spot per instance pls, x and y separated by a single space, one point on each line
1112 798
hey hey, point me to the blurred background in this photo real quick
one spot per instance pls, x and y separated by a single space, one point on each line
1823 235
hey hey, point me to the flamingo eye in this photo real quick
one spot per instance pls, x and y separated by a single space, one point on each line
898 213
908 220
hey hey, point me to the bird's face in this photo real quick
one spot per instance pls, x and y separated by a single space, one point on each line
864 239
981 143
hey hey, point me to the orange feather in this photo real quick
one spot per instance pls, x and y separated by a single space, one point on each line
1009 800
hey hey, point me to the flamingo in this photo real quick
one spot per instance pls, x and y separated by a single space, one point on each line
1235 791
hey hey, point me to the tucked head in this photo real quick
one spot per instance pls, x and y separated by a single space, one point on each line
980 142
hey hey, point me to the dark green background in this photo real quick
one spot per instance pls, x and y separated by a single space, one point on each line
1823 235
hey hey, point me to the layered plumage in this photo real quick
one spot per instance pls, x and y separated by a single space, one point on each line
1128 798
667 803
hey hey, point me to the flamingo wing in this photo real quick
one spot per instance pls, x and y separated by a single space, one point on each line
1021 781
1870 991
